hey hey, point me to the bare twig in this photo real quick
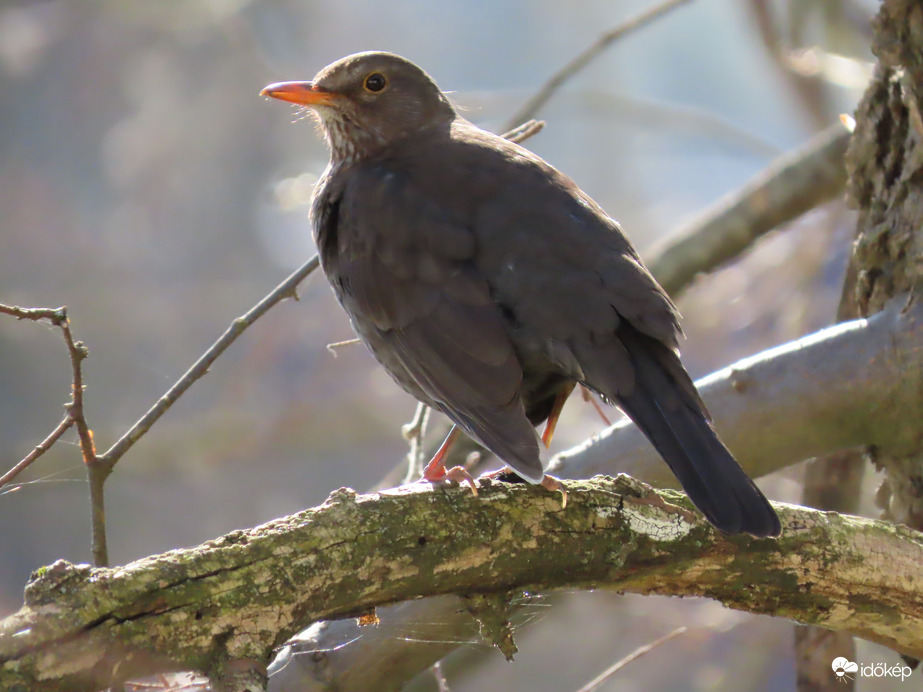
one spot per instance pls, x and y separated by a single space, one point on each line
77 352
414 432
524 131
96 471
58 318
287 289
590 398
100 466
531 107
39 450
54 315
633 656
336 345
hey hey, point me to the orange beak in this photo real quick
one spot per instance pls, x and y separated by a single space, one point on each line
302 93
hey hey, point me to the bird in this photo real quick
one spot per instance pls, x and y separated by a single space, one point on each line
488 284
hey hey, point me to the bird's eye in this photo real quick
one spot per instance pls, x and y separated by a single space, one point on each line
375 82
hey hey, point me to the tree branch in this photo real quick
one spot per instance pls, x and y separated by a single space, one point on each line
238 597
790 186
837 389
97 471
39 450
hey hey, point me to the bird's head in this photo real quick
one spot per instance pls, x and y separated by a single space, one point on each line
368 101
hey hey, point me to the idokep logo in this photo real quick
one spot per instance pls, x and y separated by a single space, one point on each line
847 670
842 669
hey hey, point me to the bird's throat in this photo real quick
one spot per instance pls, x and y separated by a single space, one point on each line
348 141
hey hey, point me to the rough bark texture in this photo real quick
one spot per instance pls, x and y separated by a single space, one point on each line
884 164
238 597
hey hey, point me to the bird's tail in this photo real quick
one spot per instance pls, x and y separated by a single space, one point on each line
666 407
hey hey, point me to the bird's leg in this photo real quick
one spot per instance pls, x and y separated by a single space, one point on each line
436 472
552 421
588 396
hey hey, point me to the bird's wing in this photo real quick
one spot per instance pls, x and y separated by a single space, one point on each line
403 270
563 271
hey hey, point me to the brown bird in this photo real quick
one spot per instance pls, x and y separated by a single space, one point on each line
487 283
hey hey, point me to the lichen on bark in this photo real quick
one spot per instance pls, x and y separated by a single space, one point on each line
884 161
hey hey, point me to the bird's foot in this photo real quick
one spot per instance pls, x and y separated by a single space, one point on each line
440 474
554 485
550 483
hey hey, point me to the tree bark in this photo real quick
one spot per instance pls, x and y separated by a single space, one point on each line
884 163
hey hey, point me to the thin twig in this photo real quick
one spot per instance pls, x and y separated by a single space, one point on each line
590 398
96 471
99 546
78 352
340 344
413 432
524 131
54 315
39 450
287 289
531 107
633 656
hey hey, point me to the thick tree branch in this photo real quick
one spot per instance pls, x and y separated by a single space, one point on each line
238 597
837 389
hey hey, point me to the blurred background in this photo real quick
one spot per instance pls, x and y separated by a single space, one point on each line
147 186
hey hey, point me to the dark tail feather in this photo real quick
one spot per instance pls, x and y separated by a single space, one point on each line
678 428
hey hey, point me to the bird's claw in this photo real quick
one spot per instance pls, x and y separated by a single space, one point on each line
459 474
549 483
554 485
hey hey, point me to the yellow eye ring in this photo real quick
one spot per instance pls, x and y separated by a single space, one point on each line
375 82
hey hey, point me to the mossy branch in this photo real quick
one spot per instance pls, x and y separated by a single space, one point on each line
241 596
